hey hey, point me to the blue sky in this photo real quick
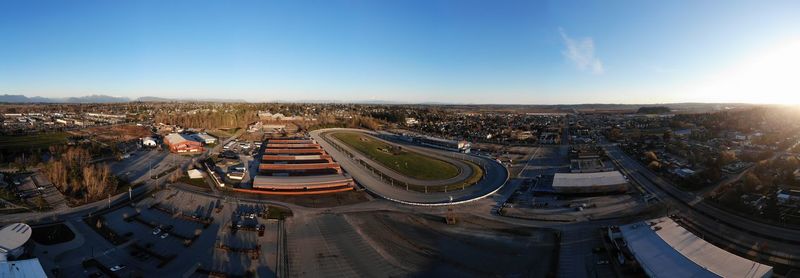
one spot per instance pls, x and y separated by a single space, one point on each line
411 51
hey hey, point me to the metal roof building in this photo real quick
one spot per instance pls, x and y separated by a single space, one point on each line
298 166
665 249
12 237
599 182
30 268
180 144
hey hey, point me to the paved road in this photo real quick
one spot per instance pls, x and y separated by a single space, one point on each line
495 177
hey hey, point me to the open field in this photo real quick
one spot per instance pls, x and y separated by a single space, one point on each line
220 133
404 162
114 133
43 140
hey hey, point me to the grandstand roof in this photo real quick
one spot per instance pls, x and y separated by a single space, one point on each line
665 249
13 236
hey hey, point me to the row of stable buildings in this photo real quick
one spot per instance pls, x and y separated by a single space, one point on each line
299 166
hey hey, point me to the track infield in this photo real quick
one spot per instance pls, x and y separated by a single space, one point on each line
403 161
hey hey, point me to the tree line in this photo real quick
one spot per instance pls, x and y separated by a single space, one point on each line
74 175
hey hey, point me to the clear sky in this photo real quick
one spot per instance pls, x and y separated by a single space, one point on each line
463 51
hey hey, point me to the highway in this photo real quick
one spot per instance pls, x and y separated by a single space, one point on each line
705 217
495 177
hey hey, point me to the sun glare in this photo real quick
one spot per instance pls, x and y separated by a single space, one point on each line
771 76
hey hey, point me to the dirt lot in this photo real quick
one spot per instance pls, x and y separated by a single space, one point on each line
475 247
401 244
114 133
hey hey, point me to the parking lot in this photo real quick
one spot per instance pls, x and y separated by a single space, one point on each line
171 232
145 162
238 153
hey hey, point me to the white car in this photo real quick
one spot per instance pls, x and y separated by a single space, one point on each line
156 231
164 235
117 268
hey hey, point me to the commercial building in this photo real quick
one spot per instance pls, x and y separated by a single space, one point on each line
583 183
665 249
205 138
178 143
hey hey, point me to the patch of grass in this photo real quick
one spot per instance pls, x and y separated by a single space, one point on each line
52 234
278 213
405 162
99 225
220 133
164 173
194 182
35 141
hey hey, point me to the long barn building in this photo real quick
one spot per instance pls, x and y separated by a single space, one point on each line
298 167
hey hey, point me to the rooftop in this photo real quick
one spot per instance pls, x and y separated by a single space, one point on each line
588 179
665 249
22 269
13 236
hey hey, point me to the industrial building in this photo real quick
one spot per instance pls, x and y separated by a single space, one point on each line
587 183
663 248
178 143
296 167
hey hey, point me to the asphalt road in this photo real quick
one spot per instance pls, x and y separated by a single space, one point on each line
495 176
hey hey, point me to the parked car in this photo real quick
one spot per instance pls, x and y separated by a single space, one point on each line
117 268
156 231
164 235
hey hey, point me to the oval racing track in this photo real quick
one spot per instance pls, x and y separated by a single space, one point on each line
464 169
495 175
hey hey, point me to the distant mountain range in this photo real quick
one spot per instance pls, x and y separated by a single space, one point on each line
688 106
99 99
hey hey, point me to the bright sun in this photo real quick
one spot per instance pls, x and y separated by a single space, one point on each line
771 76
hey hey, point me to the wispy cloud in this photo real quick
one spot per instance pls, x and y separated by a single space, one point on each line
581 53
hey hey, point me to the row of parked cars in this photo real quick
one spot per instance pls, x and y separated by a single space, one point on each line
158 230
